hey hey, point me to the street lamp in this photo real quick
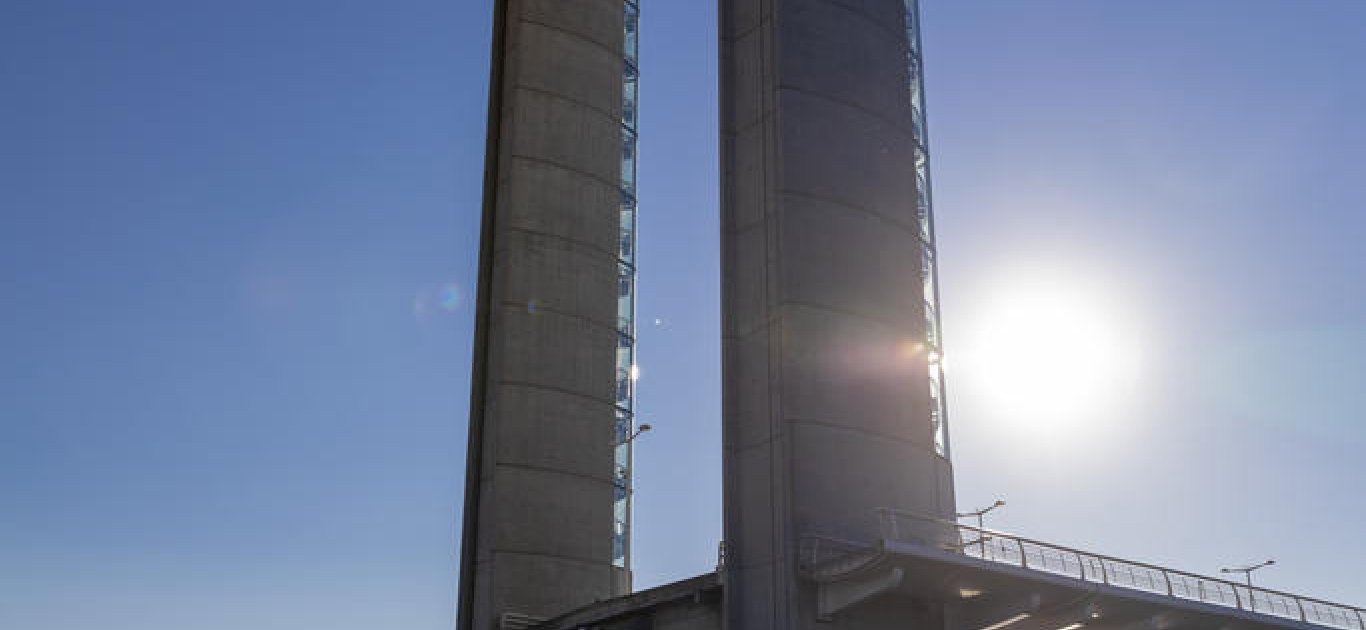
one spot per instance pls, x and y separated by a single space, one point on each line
622 479
979 513
981 535
631 438
1247 571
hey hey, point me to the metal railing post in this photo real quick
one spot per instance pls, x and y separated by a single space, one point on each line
1361 620
1301 607
1104 572
1023 561
1166 576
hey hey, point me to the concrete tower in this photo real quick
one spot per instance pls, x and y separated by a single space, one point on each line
547 501
832 388
839 507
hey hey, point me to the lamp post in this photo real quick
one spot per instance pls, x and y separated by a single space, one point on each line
1247 575
631 438
981 535
623 472
1247 570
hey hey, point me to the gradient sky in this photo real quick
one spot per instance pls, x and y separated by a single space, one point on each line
237 249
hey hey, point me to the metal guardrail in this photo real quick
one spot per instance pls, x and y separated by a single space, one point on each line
994 546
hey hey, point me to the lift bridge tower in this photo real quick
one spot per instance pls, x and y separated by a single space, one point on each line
838 491
547 494
833 395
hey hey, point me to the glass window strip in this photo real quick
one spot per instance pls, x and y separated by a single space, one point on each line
624 427
925 216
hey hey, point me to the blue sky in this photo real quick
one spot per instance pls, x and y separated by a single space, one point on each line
237 247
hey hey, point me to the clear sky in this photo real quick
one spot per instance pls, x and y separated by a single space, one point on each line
237 249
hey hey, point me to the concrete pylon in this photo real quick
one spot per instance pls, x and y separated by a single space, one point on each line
831 410
548 480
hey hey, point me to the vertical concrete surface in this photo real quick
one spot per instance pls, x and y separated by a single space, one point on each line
540 478
828 415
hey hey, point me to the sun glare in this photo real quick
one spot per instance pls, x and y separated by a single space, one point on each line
1050 355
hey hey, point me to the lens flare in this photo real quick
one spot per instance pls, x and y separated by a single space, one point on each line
450 297
435 301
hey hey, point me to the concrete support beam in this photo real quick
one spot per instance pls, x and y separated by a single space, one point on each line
832 597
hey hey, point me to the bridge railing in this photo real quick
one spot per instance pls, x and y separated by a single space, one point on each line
994 546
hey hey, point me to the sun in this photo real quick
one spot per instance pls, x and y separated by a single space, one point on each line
1049 354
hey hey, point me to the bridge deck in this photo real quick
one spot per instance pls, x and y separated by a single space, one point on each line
997 580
